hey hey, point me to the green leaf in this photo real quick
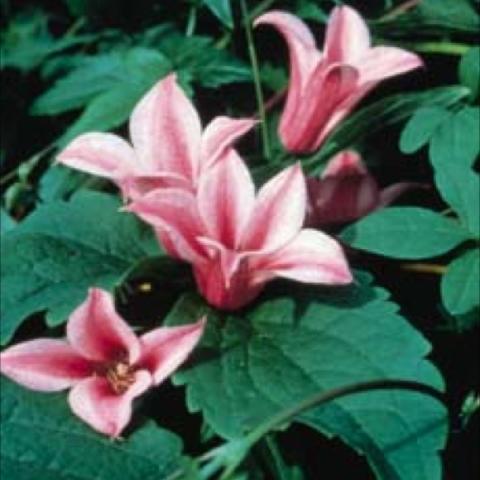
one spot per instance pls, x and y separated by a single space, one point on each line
460 285
383 113
222 10
457 139
6 222
62 249
460 188
469 71
405 232
420 128
42 439
302 340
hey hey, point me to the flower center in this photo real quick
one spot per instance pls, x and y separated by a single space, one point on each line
120 375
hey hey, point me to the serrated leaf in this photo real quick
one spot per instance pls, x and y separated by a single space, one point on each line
460 285
383 113
63 248
222 9
420 128
457 140
406 233
460 188
469 71
42 439
301 341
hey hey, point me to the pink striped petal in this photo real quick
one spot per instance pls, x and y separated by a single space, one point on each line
136 186
345 164
102 154
175 212
165 130
44 364
94 401
304 57
279 211
347 36
380 63
226 195
327 89
311 257
97 332
166 348
219 135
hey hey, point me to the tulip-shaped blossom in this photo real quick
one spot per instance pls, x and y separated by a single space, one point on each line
168 146
325 86
346 191
237 242
103 362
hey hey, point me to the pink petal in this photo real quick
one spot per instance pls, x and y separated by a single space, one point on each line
345 164
97 332
238 292
311 257
327 89
304 57
175 212
347 36
139 185
44 364
166 348
380 63
95 402
279 211
102 154
219 135
165 130
226 195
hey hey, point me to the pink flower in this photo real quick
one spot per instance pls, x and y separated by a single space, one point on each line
237 242
325 87
346 191
103 362
169 147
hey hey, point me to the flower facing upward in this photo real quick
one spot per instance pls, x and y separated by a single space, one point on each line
237 242
103 362
325 86
346 191
168 145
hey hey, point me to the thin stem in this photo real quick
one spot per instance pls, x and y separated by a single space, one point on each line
75 27
260 8
397 11
192 21
256 80
425 268
325 397
444 48
277 463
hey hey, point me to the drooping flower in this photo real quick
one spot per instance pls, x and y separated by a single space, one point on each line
168 145
238 242
346 191
325 86
103 362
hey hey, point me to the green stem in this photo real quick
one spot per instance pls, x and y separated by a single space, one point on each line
444 48
192 21
256 80
276 462
76 26
260 8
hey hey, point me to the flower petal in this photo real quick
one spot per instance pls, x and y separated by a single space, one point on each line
98 333
95 402
46 365
220 134
347 36
102 154
327 89
279 211
311 257
345 164
175 212
304 57
165 130
226 195
166 348
389 194
139 185
380 63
